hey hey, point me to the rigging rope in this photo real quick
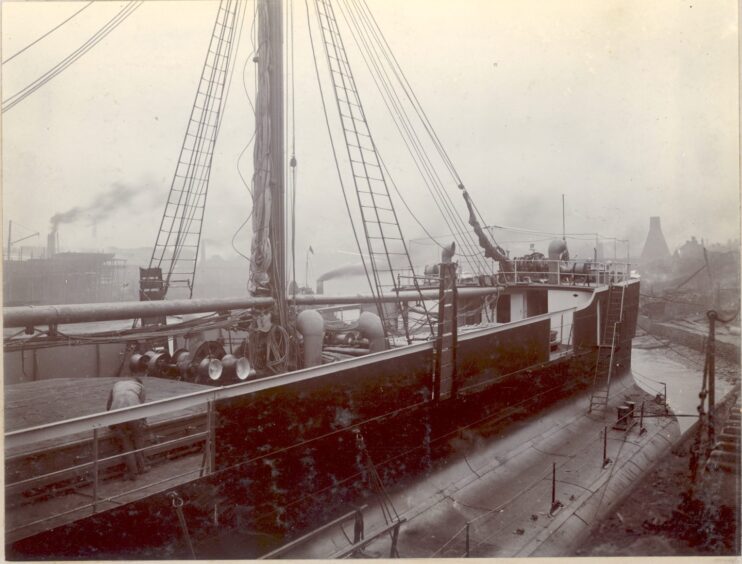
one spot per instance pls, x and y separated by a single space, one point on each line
55 28
373 60
376 35
252 138
191 177
91 42
332 144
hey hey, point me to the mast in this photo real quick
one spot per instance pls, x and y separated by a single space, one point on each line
277 184
267 269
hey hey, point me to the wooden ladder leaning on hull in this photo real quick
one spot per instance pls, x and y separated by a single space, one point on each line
604 364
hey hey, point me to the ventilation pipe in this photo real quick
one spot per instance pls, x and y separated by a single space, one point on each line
370 326
312 327
557 252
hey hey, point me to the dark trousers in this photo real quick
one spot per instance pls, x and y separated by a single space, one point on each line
130 436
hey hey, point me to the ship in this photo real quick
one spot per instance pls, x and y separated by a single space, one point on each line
302 405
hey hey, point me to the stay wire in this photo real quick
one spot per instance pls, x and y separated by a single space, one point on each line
334 151
55 28
200 191
409 128
396 109
192 205
405 127
345 81
91 42
188 176
412 97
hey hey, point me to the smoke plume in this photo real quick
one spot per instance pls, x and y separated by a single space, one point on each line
118 197
343 271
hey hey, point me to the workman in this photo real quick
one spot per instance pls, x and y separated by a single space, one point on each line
128 392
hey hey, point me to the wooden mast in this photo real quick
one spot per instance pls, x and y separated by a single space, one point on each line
274 42
268 249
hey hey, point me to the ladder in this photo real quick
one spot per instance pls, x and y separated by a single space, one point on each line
387 249
446 341
176 249
604 365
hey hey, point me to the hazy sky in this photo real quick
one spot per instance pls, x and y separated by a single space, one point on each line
630 109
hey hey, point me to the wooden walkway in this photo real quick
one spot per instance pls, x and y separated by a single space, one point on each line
30 404
46 513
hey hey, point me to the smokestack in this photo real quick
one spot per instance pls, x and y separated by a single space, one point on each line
655 247
320 286
51 243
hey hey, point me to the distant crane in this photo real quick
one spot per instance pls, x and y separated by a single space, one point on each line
10 237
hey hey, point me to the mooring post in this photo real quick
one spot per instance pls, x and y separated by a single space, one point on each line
606 460
358 526
553 483
555 503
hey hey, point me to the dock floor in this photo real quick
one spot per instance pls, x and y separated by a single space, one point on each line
503 487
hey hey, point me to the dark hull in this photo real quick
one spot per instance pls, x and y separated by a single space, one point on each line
288 458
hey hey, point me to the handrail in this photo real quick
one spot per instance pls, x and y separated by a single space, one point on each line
180 441
355 547
309 536
58 429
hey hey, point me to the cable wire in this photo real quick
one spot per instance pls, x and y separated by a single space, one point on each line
91 42
55 28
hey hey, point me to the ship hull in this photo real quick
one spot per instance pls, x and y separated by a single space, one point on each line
289 456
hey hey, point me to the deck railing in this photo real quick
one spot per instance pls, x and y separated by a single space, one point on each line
90 474
551 272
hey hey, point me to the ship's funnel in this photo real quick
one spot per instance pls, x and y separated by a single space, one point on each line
320 286
51 243
655 247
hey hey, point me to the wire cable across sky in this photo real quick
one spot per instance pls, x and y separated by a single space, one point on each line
91 42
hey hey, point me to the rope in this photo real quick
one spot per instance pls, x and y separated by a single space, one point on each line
91 42
332 144
191 206
55 28
252 137
277 349
372 59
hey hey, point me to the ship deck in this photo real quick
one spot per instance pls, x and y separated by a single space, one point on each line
67 496
30 404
